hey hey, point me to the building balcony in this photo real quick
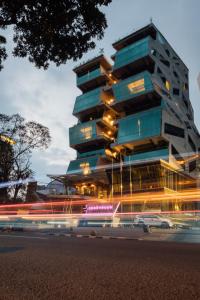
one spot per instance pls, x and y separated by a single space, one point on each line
91 153
133 58
93 73
106 152
90 134
93 102
89 169
140 129
83 166
150 155
135 92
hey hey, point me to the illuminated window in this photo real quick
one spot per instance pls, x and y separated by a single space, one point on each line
87 132
136 86
85 168
167 84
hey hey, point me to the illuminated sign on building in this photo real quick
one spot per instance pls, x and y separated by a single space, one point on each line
101 208
136 86
108 209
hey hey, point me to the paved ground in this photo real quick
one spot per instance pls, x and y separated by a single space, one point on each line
156 234
35 266
173 235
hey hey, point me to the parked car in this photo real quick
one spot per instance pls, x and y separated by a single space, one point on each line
153 220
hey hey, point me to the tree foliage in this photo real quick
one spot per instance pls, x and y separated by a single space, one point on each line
15 159
52 30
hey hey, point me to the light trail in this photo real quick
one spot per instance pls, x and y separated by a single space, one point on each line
54 203
146 196
16 182
51 210
30 212
55 217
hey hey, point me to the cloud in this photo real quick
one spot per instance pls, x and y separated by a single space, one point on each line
46 97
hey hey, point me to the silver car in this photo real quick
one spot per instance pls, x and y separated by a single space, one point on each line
153 220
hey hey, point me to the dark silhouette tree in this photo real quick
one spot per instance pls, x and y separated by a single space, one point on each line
52 30
15 158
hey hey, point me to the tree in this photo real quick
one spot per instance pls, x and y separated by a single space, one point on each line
15 159
6 158
52 30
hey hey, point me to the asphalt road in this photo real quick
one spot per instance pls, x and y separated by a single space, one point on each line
44 267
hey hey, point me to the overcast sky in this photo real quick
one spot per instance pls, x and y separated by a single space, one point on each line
48 96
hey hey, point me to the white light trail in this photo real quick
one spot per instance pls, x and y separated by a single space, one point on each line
16 182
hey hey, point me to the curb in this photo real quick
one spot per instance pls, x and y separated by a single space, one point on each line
105 237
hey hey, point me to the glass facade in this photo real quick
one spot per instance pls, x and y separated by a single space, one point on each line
83 166
89 76
160 154
133 86
91 153
82 133
132 53
140 126
87 100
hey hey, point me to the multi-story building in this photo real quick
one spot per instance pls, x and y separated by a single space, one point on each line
135 129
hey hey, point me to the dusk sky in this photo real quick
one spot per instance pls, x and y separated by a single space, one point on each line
48 96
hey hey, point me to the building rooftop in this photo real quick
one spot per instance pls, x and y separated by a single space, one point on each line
149 29
91 63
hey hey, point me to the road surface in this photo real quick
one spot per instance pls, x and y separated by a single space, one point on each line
38 266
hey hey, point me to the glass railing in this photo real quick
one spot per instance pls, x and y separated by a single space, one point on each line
82 133
83 165
132 53
91 153
89 76
140 126
133 87
156 154
87 100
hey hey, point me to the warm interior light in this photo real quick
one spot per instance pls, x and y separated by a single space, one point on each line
167 84
87 132
86 168
111 153
136 86
108 119
111 100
